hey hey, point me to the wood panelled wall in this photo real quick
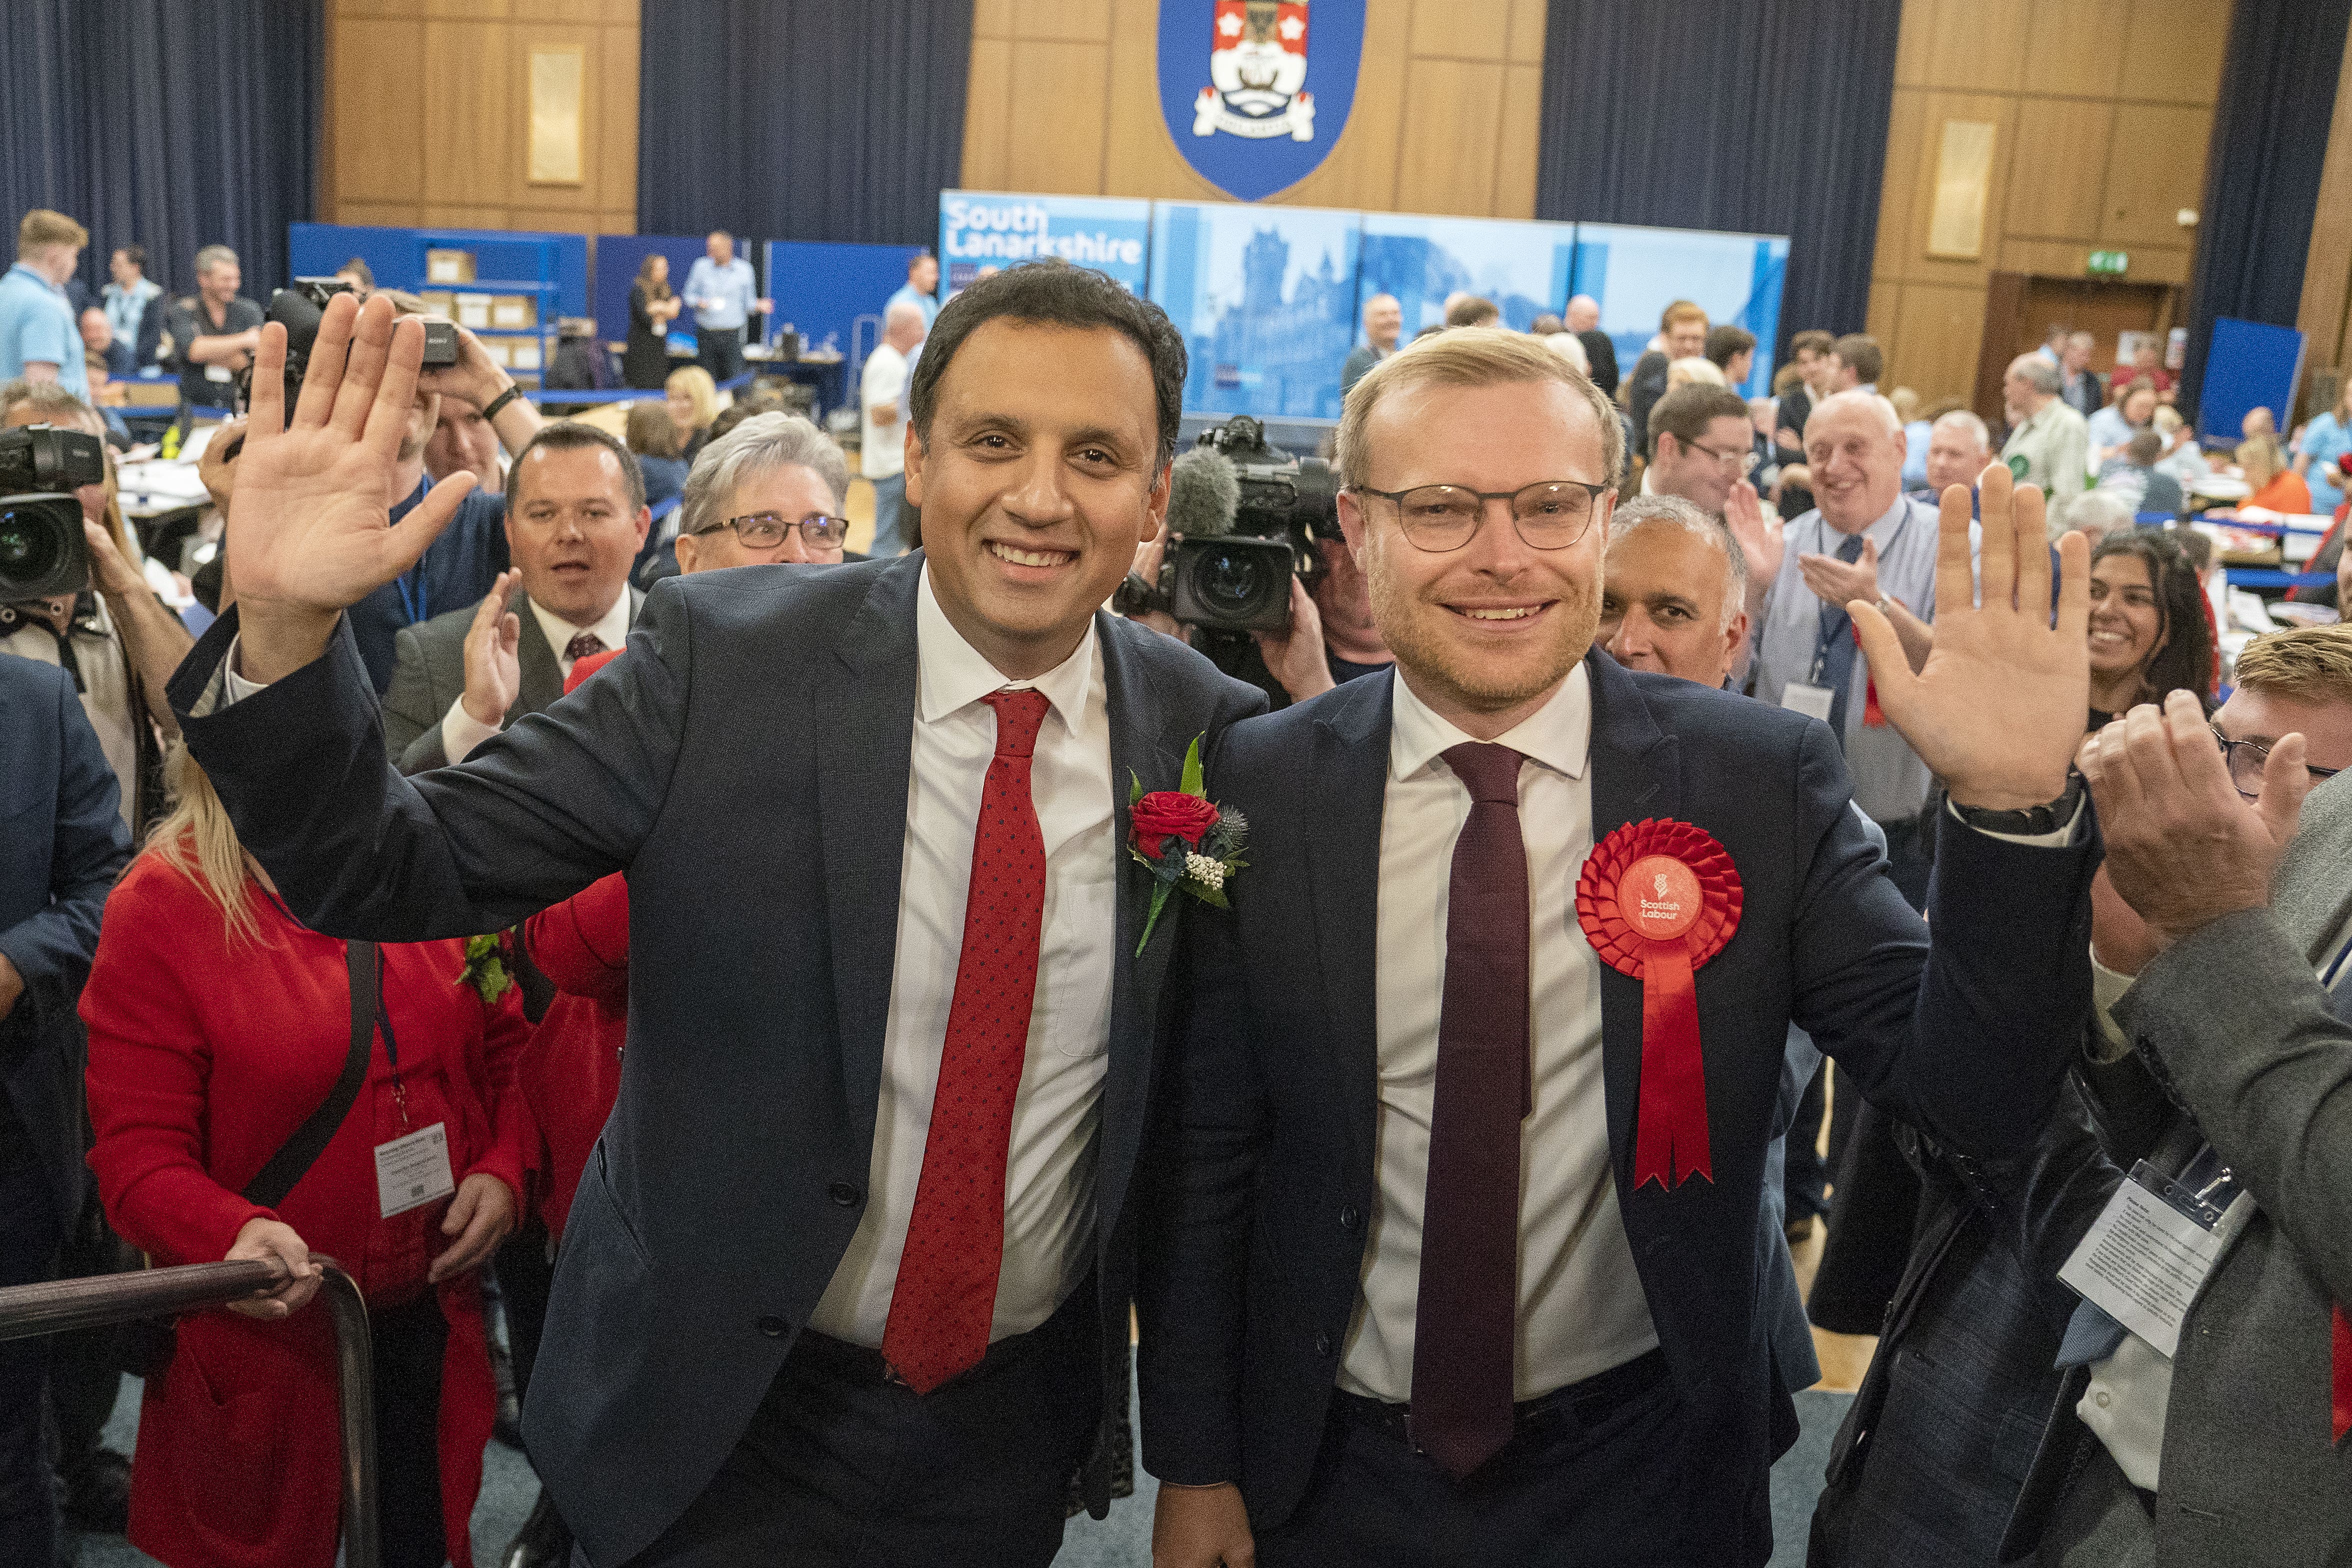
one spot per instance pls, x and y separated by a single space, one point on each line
2326 307
2101 110
1065 100
429 108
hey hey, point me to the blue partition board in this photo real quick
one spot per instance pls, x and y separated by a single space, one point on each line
618 256
990 228
316 249
2249 365
1524 267
1635 273
821 289
1265 299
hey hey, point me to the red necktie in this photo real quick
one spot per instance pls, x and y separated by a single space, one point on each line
1465 1318
945 1298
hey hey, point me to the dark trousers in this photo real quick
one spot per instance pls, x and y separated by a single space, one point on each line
409 1342
841 1467
85 1368
1598 1485
721 351
31 1231
525 1278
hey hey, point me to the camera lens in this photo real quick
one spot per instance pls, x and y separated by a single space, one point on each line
30 546
1231 581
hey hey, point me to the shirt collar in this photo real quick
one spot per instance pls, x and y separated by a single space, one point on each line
1559 734
27 268
612 628
952 674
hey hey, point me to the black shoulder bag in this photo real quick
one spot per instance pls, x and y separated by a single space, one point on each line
147 1344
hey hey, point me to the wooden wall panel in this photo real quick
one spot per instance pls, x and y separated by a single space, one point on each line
2101 110
427 115
2328 268
1448 98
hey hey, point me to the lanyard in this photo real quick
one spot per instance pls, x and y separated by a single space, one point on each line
414 598
2327 976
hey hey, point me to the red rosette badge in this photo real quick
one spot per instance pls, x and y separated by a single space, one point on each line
1658 898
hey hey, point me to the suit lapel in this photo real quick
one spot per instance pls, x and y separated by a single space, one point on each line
1141 749
1634 777
543 678
1350 773
863 710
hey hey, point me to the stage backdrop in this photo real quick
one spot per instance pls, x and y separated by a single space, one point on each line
992 228
1525 267
1635 273
1266 298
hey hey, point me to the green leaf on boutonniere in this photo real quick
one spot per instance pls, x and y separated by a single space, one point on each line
1160 892
1134 789
1193 783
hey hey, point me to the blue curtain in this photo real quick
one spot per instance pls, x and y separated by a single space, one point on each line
172 124
802 118
1764 117
2262 170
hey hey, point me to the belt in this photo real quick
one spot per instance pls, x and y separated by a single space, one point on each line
864 1366
1585 1403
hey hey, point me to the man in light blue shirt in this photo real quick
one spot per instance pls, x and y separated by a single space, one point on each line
921 289
39 339
127 298
723 294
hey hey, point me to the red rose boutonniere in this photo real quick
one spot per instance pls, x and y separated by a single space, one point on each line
1187 843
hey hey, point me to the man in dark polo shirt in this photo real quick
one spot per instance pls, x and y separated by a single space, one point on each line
213 332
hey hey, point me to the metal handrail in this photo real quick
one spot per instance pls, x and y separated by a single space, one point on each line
29 1311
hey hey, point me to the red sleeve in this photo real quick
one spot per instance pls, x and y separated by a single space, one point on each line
149 1068
583 944
505 1033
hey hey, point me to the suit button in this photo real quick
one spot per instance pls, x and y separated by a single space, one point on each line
1322 1344
774 1328
1350 1218
844 1194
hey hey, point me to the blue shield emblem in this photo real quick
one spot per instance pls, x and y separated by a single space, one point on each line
1256 92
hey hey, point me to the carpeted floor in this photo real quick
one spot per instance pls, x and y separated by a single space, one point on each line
1122 1540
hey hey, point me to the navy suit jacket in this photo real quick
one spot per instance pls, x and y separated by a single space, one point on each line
1254 1246
748 764
62 844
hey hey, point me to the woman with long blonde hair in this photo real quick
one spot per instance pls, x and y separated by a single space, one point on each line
219 1024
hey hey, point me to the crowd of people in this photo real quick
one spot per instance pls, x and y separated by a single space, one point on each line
878 1001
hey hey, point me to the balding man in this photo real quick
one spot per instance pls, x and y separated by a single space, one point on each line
1866 539
1583 319
1383 319
882 440
2049 443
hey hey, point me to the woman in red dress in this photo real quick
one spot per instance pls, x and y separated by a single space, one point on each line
218 1023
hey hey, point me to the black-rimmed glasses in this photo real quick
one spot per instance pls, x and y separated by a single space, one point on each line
2247 760
1550 514
1743 461
766 529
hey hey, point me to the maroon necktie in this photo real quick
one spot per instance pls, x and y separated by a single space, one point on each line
582 645
945 1298
1466 1319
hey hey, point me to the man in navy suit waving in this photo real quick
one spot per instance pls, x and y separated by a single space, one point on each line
848 1279
1460 1247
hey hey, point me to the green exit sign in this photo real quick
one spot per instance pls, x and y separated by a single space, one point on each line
2108 263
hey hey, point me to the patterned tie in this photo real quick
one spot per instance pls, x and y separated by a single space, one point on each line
1467 1317
945 1298
582 645
1837 645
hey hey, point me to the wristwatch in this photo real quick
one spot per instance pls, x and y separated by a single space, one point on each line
2033 820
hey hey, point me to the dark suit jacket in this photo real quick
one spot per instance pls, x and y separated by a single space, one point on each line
732 1174
1601 356
429 673
1252 1276
62 844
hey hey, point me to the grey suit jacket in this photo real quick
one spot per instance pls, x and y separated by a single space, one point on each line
2234 1021
429 674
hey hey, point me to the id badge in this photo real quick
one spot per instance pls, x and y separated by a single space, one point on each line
1812 701
413 1171
218 373
2151 1250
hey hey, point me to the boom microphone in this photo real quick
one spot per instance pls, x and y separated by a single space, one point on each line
1204 494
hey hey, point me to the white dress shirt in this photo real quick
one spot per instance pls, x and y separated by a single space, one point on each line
1581 1310
1049 1188
461 731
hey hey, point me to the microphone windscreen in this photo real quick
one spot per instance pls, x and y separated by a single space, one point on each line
1204 493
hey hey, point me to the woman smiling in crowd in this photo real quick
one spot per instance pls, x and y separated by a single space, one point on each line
2148 631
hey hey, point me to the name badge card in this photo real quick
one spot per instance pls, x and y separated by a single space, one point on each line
413 1171
1812 701
2149 1253
218 373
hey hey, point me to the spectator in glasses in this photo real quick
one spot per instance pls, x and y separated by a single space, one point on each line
774 491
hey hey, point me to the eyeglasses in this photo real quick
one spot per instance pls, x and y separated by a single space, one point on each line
1550 514
1742 461
766 529
2247 760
